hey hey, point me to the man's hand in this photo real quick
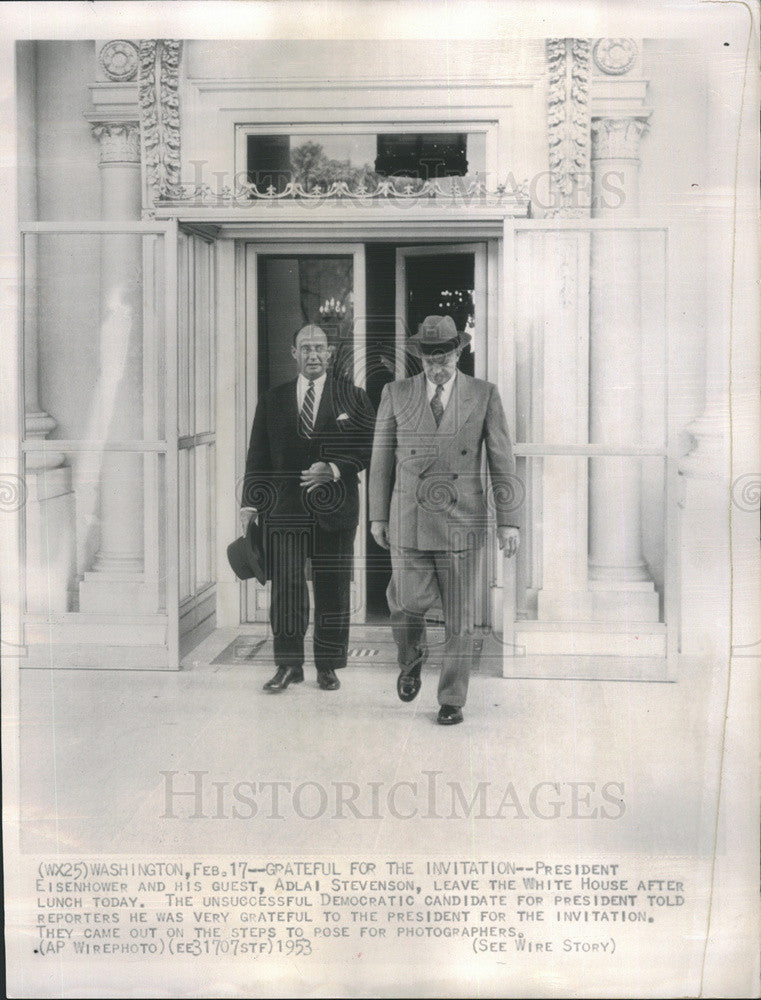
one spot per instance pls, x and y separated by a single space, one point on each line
379 530
317 474
247 514
509 540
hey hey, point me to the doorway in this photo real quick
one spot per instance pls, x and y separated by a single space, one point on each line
404 284
369 298
287 287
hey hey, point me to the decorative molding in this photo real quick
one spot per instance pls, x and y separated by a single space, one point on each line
206 84
402 190
568 126
119 141
615 56
618 138
159 79
119 60
38 425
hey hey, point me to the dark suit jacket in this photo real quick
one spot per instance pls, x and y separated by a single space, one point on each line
277 454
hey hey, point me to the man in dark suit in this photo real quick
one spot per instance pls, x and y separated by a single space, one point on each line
310 439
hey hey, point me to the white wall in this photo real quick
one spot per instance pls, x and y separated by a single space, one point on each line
276 82
67 153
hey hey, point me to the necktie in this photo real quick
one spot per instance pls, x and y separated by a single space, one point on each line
306 417
436 405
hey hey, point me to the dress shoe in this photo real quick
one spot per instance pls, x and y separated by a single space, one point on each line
449 715
327 680
284 677
408 685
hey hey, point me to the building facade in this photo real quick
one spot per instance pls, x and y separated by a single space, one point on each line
185 205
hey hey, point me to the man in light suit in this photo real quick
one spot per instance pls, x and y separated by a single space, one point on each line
310 439
427 504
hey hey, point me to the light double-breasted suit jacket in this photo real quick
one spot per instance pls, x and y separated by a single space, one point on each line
426 480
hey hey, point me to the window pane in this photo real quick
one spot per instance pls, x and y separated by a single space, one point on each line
95 534
443 284
591 354
93 326
593 539
424 155
295 291
355 158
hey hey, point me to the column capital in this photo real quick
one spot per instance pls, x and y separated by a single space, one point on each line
617 137
119 141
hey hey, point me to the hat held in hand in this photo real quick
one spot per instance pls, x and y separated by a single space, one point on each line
246 554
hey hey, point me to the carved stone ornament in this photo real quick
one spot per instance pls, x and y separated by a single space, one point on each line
568 125
159 79
119 141
119 60
615 56
617 138
393 190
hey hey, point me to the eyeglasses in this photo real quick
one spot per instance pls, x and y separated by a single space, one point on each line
317 348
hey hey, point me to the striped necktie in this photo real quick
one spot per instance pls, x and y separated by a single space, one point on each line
306 417
436 405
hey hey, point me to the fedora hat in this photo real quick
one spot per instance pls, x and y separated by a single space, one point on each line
246 554
436 333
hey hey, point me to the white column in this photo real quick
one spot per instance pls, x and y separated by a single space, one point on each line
116 575
615 419
49 509
50 549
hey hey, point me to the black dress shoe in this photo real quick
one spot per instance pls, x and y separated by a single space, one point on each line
328 681
284 677
408 685
449 715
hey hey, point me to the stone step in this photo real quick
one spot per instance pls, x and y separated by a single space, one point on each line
574 640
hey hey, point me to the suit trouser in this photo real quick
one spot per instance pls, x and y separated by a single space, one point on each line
331 552
421 579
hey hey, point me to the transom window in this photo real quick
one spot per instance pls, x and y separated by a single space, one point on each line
316 160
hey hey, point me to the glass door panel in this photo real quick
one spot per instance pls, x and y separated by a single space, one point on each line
196 443
446 279
294 286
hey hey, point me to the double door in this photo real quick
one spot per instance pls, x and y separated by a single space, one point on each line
285 287
368 304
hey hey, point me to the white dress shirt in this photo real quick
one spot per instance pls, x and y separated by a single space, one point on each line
446 390
302 384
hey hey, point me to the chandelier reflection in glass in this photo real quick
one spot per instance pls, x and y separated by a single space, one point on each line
458 303
332 311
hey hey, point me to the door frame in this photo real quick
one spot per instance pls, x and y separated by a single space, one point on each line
254 597
484 303
480 285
